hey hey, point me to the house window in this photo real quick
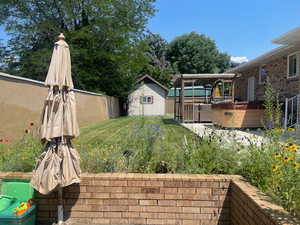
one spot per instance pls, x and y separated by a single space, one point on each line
146 99
293 62
263 73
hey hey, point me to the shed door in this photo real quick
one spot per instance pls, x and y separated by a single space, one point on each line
251 89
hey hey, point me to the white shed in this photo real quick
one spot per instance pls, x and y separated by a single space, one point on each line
147 98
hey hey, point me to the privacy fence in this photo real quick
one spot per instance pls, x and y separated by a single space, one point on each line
21 103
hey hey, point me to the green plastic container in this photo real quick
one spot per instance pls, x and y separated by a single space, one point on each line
6 201
21 190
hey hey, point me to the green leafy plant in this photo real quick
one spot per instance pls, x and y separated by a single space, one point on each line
272 107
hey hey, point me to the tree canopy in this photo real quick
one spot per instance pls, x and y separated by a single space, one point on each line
158 66
108 43
196 53
104 38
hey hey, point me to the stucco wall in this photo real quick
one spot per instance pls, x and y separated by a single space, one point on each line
277 72
149 89
21 103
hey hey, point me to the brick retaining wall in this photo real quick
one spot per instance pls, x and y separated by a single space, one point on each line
160 199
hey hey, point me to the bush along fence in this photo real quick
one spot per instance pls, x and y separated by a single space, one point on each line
114 198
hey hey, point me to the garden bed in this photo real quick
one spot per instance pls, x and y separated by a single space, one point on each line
159 145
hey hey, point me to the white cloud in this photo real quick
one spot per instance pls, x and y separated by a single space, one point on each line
239 59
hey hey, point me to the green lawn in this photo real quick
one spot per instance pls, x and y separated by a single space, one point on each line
135 144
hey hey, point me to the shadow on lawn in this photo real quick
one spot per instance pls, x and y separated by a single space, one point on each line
169 121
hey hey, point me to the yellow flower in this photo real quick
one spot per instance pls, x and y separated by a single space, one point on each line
279 130
275 168
293 147
296 165
277 155
104 159
287 159
285 147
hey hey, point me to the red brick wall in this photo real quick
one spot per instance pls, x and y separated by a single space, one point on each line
155 199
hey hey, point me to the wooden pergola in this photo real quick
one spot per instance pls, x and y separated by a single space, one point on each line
197 109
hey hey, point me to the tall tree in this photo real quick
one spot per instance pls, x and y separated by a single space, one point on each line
158 67
196 53
2 57
104 38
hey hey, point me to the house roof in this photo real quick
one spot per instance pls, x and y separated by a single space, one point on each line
291 37
153 80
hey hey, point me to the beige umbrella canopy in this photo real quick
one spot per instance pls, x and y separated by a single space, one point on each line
58 166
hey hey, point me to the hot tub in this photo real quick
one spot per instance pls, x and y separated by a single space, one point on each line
238 114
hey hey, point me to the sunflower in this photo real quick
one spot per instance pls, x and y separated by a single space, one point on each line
287 159
286 147
277 155
293 147
278 130
275 168
296 165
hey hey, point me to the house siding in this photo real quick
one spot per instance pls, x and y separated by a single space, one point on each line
277 72
157 108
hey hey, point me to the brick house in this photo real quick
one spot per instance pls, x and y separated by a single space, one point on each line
282 66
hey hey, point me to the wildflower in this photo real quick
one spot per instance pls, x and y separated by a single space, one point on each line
6 141
296 165
279 130
27 131
275 168
31 124
291 129
293 147
286 147
277 155
287 159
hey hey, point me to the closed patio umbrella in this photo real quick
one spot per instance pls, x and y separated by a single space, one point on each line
58 166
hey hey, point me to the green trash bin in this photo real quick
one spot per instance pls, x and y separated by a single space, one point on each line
21 191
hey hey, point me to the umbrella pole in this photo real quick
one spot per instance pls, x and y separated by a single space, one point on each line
60 211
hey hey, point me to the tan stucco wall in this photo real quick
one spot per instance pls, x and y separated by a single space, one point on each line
21 103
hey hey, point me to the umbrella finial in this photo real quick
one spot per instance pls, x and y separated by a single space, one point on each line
61 36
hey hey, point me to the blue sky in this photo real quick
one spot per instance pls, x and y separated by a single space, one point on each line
240 28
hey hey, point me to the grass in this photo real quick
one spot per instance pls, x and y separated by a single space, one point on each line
159 145
131 144
109 145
